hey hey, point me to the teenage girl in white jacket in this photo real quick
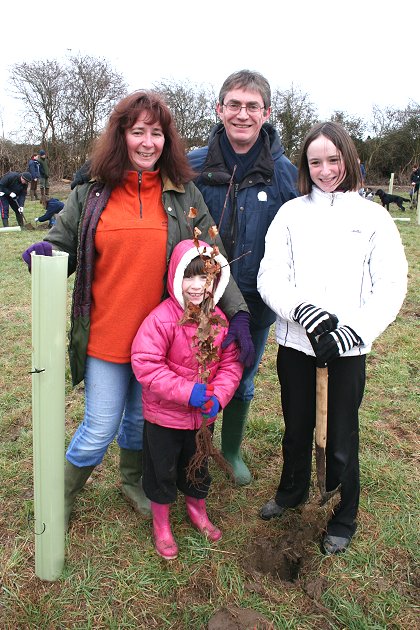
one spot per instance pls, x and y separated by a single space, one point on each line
334 268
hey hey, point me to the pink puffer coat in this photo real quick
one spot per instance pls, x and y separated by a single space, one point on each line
163 357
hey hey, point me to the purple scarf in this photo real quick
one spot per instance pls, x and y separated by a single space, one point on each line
82 294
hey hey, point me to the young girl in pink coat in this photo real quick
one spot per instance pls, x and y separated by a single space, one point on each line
166 361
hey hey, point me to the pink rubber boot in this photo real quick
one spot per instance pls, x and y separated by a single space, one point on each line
164 541
196 509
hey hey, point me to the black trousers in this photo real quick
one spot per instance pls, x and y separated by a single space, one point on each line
4 206
166 455
346 383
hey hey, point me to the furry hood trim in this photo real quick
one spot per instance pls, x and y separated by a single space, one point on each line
184 252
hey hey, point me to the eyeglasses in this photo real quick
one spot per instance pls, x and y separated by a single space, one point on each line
235 107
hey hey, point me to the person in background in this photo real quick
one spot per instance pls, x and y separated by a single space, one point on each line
363 174
244 160
363 191
44 176
415 183
134 210
335 273
52 207
166 360
13 189
33 168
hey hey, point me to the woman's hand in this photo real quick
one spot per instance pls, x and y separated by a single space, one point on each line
43 248
239 332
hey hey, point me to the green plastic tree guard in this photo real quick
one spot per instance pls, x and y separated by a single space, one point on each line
49 306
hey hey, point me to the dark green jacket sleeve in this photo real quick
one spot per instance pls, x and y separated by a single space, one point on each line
64 234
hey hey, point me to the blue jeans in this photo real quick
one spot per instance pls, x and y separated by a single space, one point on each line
246 387
112 406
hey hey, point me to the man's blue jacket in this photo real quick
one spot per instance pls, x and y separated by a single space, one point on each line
251 206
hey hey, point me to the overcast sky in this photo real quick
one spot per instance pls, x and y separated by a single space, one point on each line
346 55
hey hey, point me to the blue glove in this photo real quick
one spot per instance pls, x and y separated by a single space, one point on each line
211 407
43 248
314 320
200 394
332 345
239 331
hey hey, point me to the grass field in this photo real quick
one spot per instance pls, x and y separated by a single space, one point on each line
262 574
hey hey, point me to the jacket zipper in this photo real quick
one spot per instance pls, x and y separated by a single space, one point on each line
141 207
233 226
332 198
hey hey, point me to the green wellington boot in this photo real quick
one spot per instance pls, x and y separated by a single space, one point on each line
235 415
74 480
131 469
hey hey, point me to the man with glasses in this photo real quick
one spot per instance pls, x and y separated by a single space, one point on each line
244 178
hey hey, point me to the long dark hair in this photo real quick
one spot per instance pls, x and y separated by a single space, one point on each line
109 158
342 141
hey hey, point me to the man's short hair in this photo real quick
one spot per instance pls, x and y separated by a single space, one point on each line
247 79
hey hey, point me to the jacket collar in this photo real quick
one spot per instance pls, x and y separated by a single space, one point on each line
330 198
215 170
168 185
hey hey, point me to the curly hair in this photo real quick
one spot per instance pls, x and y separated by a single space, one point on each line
109 158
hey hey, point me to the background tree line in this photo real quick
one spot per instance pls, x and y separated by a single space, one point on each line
67 104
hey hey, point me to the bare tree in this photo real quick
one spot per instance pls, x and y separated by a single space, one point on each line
92 88
193 107
293 114
395 146
66 106
69 104
355 126
39 85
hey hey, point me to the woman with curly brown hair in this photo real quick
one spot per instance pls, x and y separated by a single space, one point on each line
119 229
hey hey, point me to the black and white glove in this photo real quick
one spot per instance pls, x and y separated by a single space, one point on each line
314 320
331 345
12 195
20 210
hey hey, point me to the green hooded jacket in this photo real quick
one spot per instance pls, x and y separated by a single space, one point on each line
77 222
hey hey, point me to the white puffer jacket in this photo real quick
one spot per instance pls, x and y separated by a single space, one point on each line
340 252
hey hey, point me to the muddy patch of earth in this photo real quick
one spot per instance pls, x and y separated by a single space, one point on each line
286 553
234 618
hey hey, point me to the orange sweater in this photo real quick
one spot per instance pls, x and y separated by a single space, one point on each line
130 263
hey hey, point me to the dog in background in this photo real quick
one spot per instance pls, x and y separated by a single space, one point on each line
387 199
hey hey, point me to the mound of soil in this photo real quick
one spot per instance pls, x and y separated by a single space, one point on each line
234 618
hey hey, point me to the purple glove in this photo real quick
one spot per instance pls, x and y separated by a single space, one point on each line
200 394
239 332
43 248
211 407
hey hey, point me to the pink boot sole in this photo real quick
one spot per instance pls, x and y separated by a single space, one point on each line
166 548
